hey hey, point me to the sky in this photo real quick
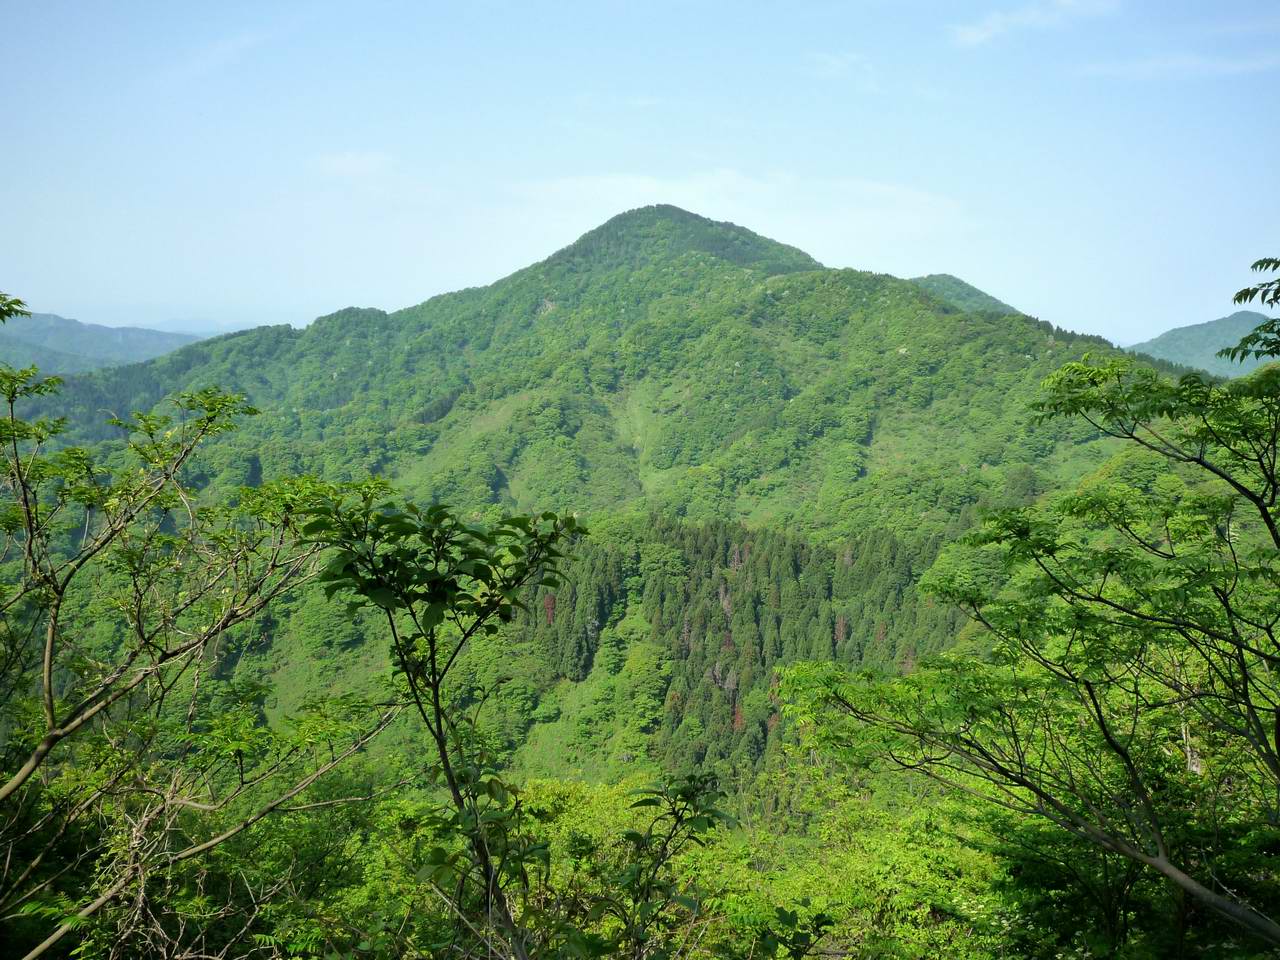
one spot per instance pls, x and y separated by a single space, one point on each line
1107 165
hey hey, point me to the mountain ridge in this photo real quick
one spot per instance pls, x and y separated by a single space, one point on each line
1196 345
961 295
59 344
661 347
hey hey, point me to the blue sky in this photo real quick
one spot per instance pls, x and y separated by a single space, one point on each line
1109 165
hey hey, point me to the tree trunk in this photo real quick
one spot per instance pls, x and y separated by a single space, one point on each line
1245 916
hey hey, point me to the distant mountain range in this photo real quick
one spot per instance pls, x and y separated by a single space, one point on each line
59 345
1197 345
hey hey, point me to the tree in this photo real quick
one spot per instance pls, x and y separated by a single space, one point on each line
440 584
124 752
1267 293
12 307
1129 693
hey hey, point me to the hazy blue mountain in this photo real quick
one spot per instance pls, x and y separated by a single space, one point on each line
60 345
1197 345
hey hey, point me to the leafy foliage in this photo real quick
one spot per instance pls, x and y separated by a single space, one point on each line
11 307
125 753
1128 696
1264 342
442 584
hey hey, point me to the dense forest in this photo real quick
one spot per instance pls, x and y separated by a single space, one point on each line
672 597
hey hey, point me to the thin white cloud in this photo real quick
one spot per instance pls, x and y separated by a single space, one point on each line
1039 15
212 57
826 65
355 164
842 67
1185 65
373 180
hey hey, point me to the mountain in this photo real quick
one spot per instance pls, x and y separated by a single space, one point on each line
1197 345
641 237
21 353
662 360
961 295
59 345
770 453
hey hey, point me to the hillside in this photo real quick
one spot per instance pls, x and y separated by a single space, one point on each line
660 361
59 345
1197 345
664 373
21 353
961 295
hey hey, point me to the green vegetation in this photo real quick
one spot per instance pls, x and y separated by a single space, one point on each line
683 668
120 590
1124 689
659 362
58 345
961 295
770 461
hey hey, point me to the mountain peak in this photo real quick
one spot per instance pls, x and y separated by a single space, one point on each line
961 295
660 231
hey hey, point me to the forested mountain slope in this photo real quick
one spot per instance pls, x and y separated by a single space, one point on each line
1197 345
59 345
961 295
770 453
777 464
662 360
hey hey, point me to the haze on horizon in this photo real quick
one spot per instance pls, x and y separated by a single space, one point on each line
1098 163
